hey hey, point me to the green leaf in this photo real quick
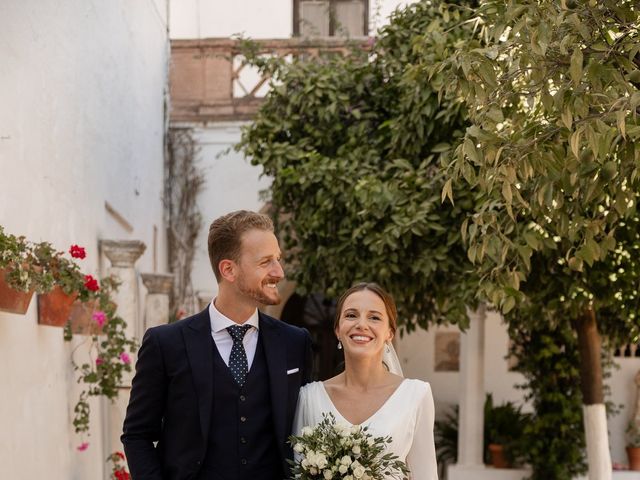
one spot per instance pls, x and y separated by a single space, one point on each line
620 120
447 192
575 70
508 305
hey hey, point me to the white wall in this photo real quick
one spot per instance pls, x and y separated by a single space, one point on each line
624 394
81 123
416 352
231 183
252 18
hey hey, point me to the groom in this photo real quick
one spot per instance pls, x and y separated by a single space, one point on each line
214 394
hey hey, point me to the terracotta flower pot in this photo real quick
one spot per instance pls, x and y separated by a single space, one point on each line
81 320
54 307
498 456
633 453
13 301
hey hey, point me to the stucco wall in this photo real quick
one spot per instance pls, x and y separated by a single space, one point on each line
81 124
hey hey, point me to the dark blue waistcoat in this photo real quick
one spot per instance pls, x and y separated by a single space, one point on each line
242 442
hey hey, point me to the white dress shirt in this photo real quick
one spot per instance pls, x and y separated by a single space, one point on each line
221 336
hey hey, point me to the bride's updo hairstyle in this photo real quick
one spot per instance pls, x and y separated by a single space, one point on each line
389 303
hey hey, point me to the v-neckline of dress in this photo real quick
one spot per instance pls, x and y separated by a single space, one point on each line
367 420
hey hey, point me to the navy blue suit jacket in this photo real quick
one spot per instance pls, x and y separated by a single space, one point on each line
169 414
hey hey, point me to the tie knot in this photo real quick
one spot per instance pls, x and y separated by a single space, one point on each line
237 332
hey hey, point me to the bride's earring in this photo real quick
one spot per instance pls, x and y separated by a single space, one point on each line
387 348
339 345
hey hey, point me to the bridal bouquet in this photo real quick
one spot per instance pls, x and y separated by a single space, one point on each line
333 450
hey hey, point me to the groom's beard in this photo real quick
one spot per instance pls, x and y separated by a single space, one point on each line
263 295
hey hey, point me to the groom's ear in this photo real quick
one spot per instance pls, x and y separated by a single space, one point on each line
227 270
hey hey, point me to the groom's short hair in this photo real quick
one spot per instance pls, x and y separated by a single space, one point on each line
225 234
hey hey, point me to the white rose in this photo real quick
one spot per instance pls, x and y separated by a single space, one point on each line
313 471
348 477
346 460
328 474
356 450
321 461
299 448
343 469
358 470
306 431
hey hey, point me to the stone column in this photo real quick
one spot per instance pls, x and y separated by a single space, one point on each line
471 426
156 305
122 254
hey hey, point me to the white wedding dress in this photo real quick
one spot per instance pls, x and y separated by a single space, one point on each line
407 417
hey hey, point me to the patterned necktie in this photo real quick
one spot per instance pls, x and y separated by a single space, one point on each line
238 359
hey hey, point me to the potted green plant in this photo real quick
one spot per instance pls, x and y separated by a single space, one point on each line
504 430
633 443
16 286
445 431
39 267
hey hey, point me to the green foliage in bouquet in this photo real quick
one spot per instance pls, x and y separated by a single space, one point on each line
333 450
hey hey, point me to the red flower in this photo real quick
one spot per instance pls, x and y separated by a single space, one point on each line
120 454
77 252
91 283
122 474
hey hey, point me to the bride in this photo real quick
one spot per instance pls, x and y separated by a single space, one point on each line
369 394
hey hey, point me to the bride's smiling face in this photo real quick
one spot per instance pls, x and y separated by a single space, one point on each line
363 327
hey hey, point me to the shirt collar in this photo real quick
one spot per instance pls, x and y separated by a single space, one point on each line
219 322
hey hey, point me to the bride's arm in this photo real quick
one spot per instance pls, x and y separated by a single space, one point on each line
422 455
299 419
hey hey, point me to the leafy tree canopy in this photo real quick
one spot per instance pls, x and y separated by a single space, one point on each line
353 145
553 152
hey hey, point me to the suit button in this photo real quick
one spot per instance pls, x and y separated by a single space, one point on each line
243 461
243 419
242 398
243 440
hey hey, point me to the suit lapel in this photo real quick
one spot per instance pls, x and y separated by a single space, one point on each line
197 338
276 355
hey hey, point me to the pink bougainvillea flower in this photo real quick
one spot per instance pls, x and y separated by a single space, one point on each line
99 361
91 283
77 252
83 446
99 317
124 356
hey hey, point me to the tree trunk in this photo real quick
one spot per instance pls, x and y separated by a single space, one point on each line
595 416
